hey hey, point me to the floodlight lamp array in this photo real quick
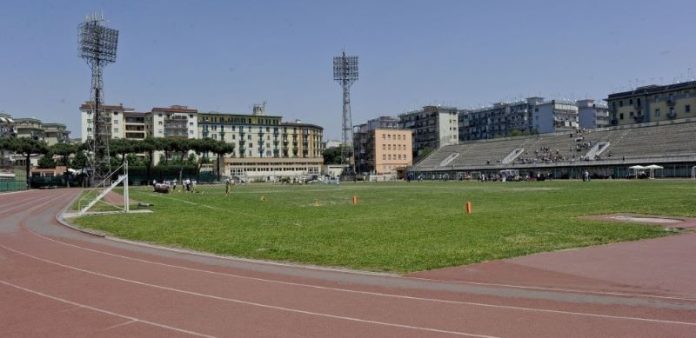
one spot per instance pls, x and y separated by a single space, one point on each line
98 43
345 68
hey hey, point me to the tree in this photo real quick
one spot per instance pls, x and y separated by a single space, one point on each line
333 155
150 145
46 161
80 161
64 150
220 149
28 147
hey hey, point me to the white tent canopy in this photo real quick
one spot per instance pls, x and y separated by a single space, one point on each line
638 168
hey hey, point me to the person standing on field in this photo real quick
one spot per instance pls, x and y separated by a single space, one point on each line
227 187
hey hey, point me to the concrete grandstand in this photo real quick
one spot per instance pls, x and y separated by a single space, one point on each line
605 152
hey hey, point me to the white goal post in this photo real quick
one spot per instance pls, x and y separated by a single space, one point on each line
106 187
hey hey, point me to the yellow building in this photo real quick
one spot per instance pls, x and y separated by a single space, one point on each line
653 104
265 147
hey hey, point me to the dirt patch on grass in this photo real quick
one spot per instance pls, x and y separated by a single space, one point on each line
666 221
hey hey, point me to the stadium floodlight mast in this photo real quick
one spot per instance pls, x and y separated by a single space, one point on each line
346 73
97 46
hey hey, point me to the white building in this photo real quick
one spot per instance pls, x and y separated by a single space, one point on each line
554 116
593 115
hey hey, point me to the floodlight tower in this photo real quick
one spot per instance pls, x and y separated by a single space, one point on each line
98 48
346 72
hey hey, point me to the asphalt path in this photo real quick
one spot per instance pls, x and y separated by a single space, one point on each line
58 282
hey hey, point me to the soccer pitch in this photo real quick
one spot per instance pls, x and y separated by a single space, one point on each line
397 227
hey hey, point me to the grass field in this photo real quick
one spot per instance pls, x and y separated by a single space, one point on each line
398 227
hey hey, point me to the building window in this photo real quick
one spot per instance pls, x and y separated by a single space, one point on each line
657 112
621 116
687 108
621 103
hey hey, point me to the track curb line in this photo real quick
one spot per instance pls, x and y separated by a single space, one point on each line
62 221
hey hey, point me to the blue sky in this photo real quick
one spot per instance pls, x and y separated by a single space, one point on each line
227 55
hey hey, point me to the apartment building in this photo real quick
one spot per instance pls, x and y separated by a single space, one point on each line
7 126
432 127
173 121
114 116
33 128
265 147
554 116
653 103
530 116
592 114
381 148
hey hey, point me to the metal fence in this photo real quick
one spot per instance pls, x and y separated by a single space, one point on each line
12 185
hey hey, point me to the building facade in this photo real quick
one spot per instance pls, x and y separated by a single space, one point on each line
531 116
554 116
51 133
382 148
592 114
114 116
499 120
432 127
173 121
265 147
7 126
28 127
653 103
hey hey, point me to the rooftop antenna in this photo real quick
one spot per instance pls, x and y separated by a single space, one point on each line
97 46
345 69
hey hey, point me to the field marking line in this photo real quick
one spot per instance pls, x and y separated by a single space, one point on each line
237 301
379 294
207 206
96 309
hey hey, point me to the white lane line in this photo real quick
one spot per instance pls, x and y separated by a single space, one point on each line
379 294
128 322
22 204
84 306
544 288
239 301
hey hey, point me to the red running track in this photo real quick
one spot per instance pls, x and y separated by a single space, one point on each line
58 282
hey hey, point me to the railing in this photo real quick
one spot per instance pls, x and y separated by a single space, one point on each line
12 185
